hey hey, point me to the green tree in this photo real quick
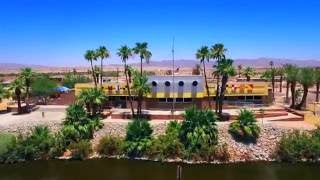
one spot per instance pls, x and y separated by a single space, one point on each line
317 81
141 49
292 78
43 87
17 86
90 56
286 70
27 76
203 55
280 72
141 86
218 52
248 72
70 79
102 53
125 53
3 92
306 79
239 70
225 69
92 99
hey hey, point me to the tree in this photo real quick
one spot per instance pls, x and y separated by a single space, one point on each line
273 73
292 78
131 71
239 70
141 86
102 52
280 72
248 72
196 70
203 55
27 76
286 69
141 49
225 69
124 53
218 52
70 79
43 87
92 99
3 92
269 75
317 81
90 56
306 79
17 87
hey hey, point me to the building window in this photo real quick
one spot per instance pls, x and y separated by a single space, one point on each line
154 83
167 83
195 83
187 100
162 100
179 100
181 83
169 100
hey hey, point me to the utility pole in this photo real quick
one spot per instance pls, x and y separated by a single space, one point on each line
173 69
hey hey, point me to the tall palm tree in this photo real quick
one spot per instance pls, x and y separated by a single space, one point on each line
248 72
125 53
203 55
292 77
317 81
102 52
141 86
27 76
3 92
306 79
273 72
286 70
90 56
131 71
141 49
218 52
280 72
239 70
17 86
225 69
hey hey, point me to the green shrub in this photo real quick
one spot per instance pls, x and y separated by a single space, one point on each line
138 138
299 146
110 146
198 130
6 140
80 150
245 128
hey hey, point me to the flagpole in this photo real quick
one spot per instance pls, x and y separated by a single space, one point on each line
173 85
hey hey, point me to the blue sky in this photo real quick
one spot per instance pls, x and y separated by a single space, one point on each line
58 32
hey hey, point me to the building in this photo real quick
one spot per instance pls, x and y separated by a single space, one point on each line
185 91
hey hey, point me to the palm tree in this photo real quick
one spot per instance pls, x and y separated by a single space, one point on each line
218 52
141 86
3 92
17 87
292 78
102 52
286 70
317 80
131 71
203 55
306 79
90 56
225 69
273 71
280 72
239 70
27 76
93 99
248 72
141 49
124 53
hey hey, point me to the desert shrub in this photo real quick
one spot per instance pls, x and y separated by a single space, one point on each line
110 146
6 140
299 146
219 153
167 145
245 128
198 130
138 138
80 150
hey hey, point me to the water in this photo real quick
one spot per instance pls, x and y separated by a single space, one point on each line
112 169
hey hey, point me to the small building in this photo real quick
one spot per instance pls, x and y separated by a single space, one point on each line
184 91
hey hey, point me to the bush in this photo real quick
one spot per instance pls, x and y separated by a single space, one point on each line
138 138
6 140
198 130
70 79
299 146
245 128
110 146
80 150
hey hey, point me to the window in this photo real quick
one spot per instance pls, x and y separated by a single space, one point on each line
162 100
187 100
170 100
179 100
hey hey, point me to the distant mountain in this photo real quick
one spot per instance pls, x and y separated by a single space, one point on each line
257 63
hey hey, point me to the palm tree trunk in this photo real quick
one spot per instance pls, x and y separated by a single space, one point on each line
101 71
207 87
128 86
287 91
304 98
281 78
217 93
222 91
141 66
293 89
317 92
93 75
272 83
248 78
19 103
27 96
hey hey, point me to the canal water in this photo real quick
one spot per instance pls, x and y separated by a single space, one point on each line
112 169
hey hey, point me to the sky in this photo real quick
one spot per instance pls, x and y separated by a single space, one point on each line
58 32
